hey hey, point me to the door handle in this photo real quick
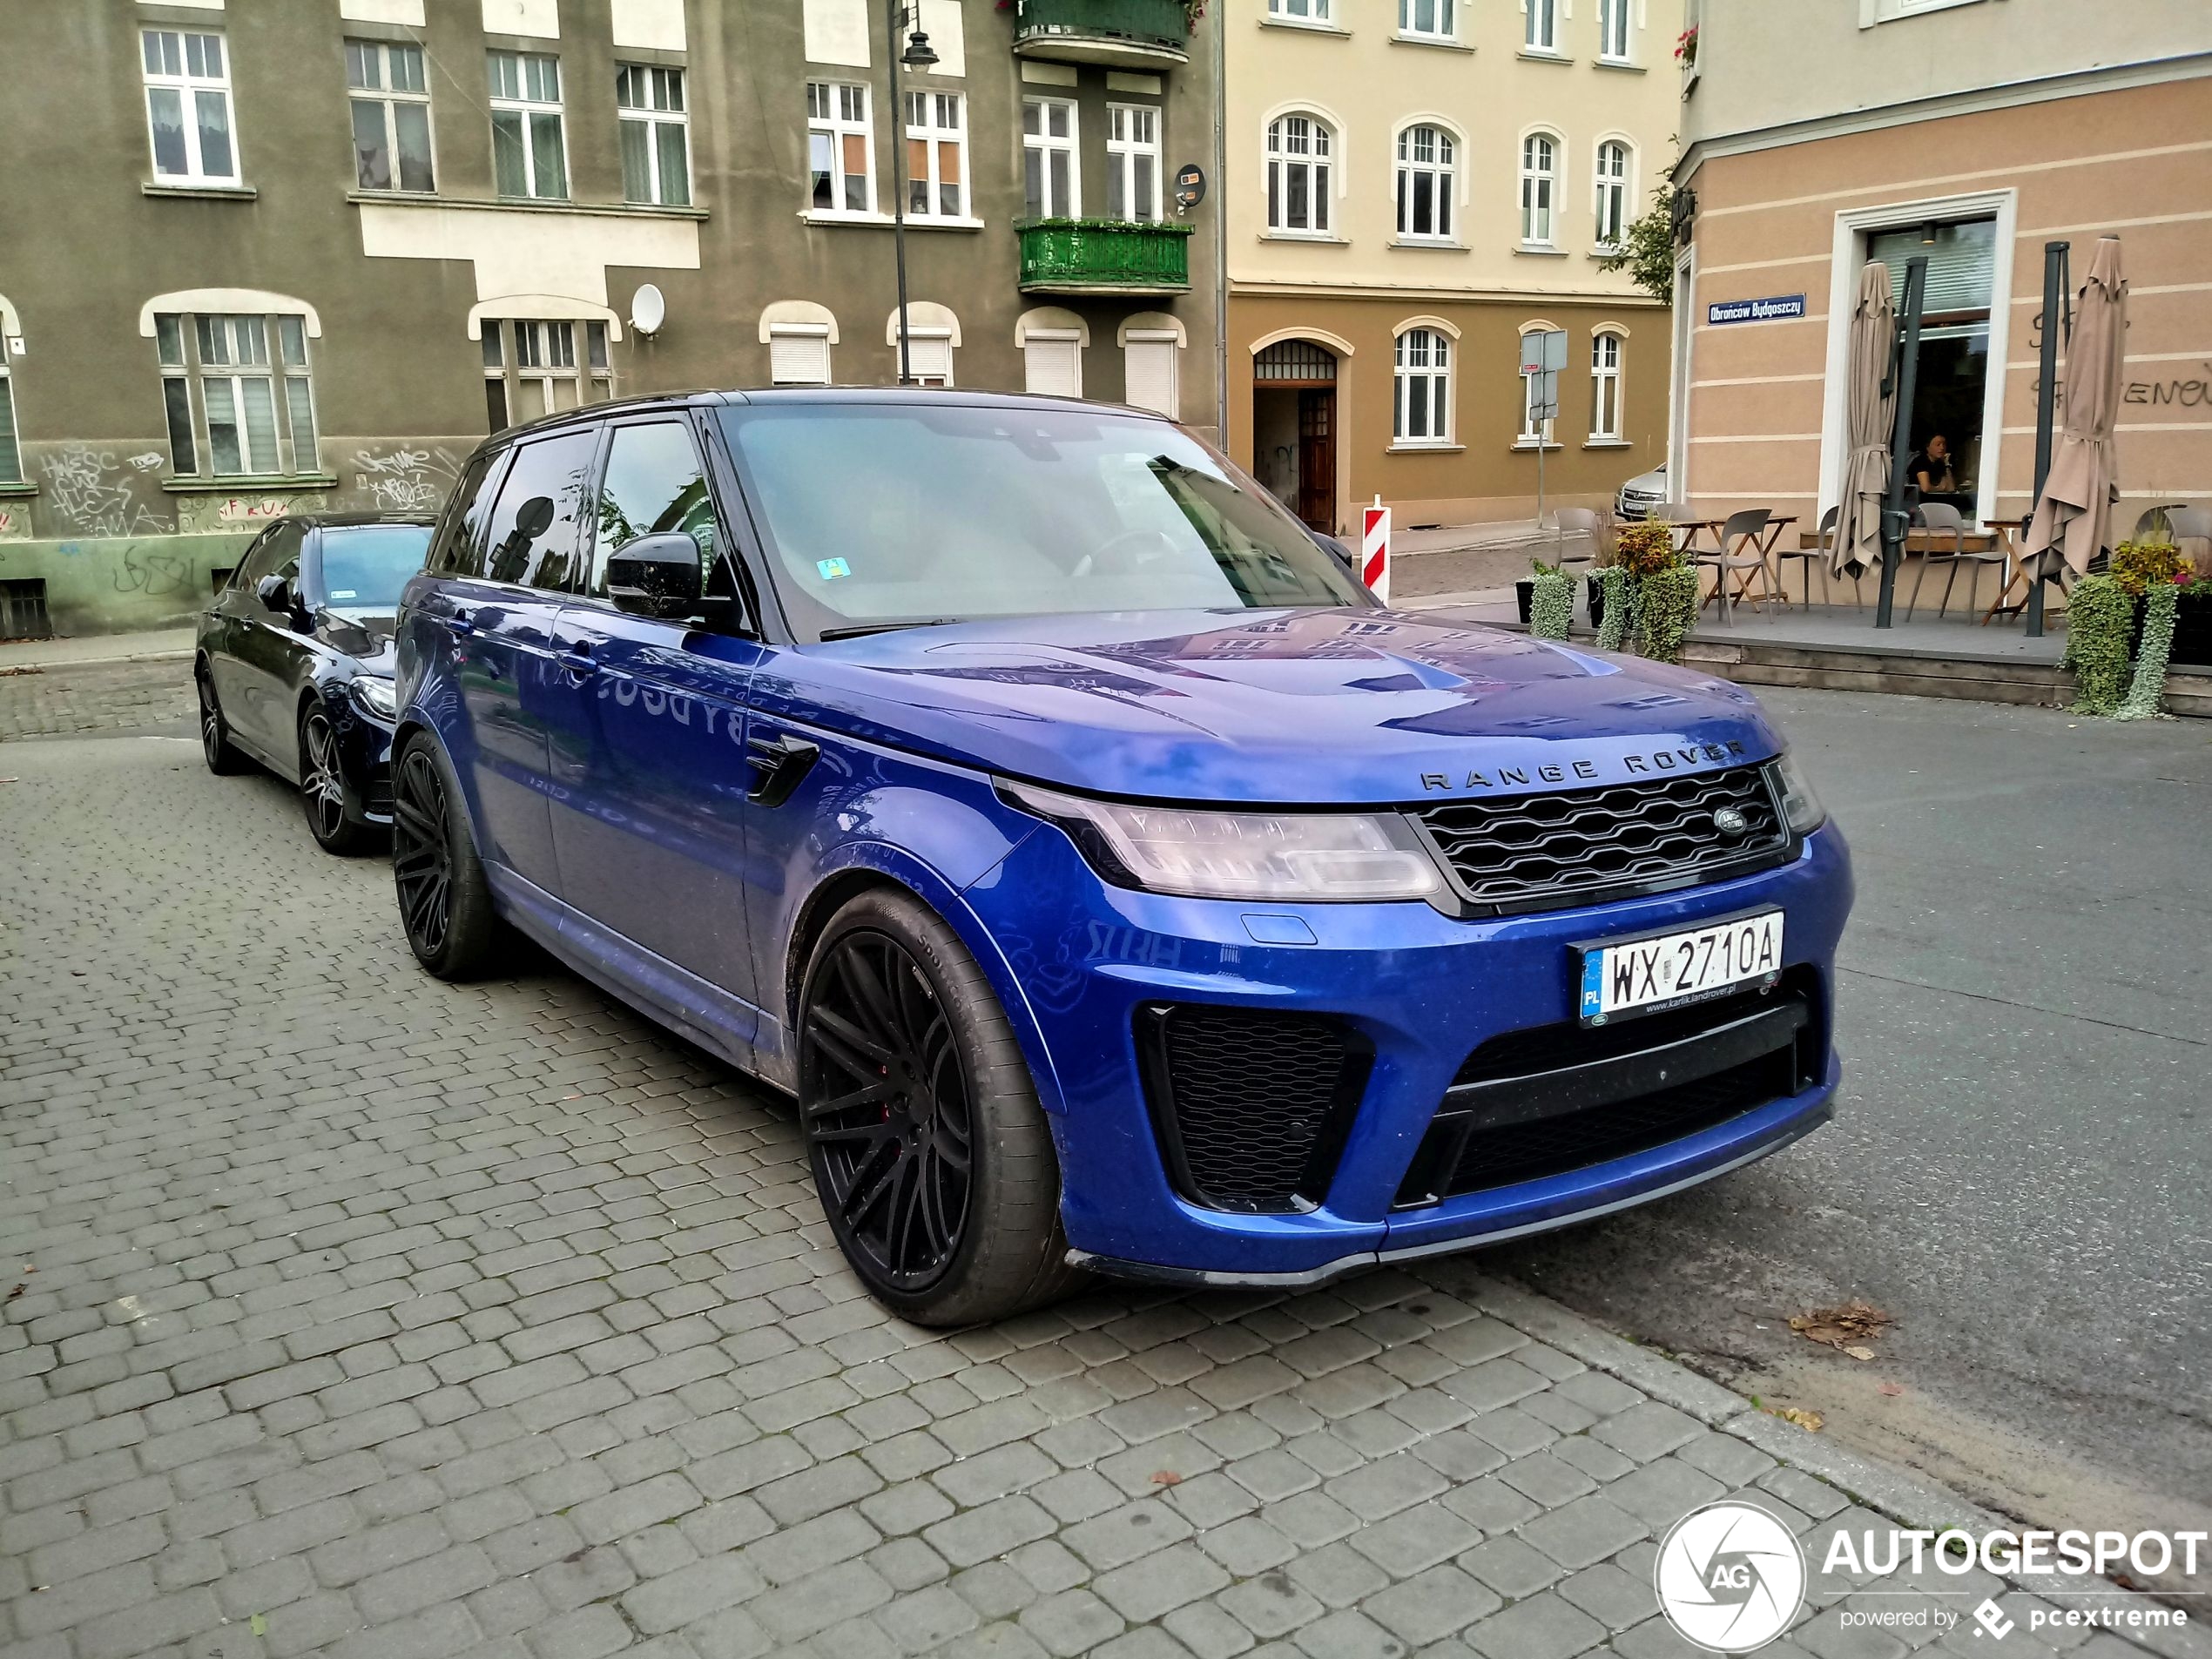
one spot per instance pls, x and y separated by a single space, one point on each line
458 621
778 764
576 660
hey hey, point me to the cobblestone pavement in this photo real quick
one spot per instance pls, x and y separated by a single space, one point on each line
95 697
364 1315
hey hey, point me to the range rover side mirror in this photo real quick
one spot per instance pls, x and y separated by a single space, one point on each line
656 575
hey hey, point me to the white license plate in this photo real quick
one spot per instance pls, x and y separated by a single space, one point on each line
1667 970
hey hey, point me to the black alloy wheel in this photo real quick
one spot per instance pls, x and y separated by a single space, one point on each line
445 903
215 747
322 785
931 1155
889 1116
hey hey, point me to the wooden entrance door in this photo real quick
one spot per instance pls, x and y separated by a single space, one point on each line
1316 457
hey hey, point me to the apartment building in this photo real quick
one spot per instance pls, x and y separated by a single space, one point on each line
267 255
1975 132
1413 186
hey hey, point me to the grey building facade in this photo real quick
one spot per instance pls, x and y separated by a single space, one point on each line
268 254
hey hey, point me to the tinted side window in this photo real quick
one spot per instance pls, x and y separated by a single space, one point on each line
654 484
275 554
255 562
536 532
460 546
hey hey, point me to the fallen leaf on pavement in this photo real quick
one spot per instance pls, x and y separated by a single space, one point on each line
1167 1478
1809 1421
18 1292
1860 1353
1893 1389
1840 1327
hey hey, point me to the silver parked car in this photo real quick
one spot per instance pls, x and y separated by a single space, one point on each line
1642 494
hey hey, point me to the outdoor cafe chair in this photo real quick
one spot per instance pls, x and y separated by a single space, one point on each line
1822 553
1940 518
1577 520
1741 551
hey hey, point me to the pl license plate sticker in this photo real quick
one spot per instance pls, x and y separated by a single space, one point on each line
1668 970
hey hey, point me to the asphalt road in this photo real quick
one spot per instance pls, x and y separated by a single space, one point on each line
2020 1167
2020 1170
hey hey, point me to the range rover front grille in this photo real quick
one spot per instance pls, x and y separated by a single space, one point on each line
1582 846
1251 1106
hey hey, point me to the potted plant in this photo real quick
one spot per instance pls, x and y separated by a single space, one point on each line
2099 614
1551 601
1665 587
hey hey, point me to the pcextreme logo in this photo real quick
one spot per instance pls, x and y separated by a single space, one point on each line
1730 1577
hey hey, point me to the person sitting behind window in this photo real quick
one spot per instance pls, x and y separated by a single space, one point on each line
1930 468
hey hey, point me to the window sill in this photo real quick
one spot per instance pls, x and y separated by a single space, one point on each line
1531 446
915 222
11 491
202 193
1425 446
1607 443
1437 41
816 216
1322 237
1531 55
263 483
1540 250
520 205
1309 27
1620 65
1435 244
1607 251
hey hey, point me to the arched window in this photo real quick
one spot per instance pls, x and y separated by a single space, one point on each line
1426 170
1298 149
1423 404
1612 193
237 384
1605 387
1539 187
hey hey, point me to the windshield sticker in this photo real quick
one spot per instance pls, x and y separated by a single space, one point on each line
832 568
344 593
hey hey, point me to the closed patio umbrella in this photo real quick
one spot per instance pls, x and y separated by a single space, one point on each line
2073 520
1866 473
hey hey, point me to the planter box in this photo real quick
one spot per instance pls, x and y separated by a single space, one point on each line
1524 594
2192 632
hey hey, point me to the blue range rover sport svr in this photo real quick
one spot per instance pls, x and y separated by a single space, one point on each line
1114 883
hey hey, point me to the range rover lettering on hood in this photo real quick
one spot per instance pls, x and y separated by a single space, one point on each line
1657 760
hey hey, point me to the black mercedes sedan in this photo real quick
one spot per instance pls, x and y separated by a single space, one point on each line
294 664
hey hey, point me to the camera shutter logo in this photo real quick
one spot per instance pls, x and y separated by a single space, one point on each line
1730 1577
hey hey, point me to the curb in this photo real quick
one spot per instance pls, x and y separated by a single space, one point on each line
1908 1499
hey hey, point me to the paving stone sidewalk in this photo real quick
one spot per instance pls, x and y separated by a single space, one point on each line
366 1316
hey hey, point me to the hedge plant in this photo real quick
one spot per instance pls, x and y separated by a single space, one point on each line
2160 609
1613 627
2099 617
1551 602
1666 610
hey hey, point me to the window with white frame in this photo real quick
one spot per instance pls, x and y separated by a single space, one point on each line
1051 176
188 107
1427 172
238 394
1423 405
391 108
1300 11
1052 362
1298 149
936 155
1605 387
1427 19
1539 187
929 355
1613 30
1612 193
10 450
529 144
655 135
532 367
1152 371
798 354
840 148
1541 25
1132 162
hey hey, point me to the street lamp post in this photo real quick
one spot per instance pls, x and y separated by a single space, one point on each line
916 54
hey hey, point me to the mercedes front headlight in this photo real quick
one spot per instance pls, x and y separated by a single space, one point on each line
1276 857
376 696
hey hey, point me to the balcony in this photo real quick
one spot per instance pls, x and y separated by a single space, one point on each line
1121 34
1104 256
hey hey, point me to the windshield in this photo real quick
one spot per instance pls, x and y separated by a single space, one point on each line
893 512
364 566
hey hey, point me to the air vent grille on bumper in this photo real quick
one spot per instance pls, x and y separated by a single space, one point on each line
1250 1107
1580 845
1539 1103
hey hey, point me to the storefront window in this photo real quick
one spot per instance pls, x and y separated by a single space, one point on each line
1947 402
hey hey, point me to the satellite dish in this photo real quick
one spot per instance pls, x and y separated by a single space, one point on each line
648 310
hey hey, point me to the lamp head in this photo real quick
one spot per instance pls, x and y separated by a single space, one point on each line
918 53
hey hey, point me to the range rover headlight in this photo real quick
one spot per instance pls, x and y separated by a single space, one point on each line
1801 808
1279 857
376 696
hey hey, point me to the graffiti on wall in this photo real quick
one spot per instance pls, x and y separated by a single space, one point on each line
406 479
154 569
214 514
12 523
89 494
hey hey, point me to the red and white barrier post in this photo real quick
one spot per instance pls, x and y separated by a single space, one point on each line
1374 549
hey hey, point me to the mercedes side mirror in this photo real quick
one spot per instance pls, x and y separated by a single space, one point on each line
275 594
656 575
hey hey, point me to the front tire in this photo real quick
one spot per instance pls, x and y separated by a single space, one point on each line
932 1157
322 787
445 903
215 747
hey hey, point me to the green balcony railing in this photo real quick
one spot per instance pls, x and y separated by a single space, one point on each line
1104 256
1088 27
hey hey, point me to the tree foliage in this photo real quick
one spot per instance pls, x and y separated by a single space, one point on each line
1647 251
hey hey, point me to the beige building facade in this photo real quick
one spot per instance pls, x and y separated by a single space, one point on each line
1410 186
1975 132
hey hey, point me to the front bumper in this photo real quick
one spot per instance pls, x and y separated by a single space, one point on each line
1420 988
364 757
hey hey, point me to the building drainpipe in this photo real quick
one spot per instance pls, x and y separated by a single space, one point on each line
1221 226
